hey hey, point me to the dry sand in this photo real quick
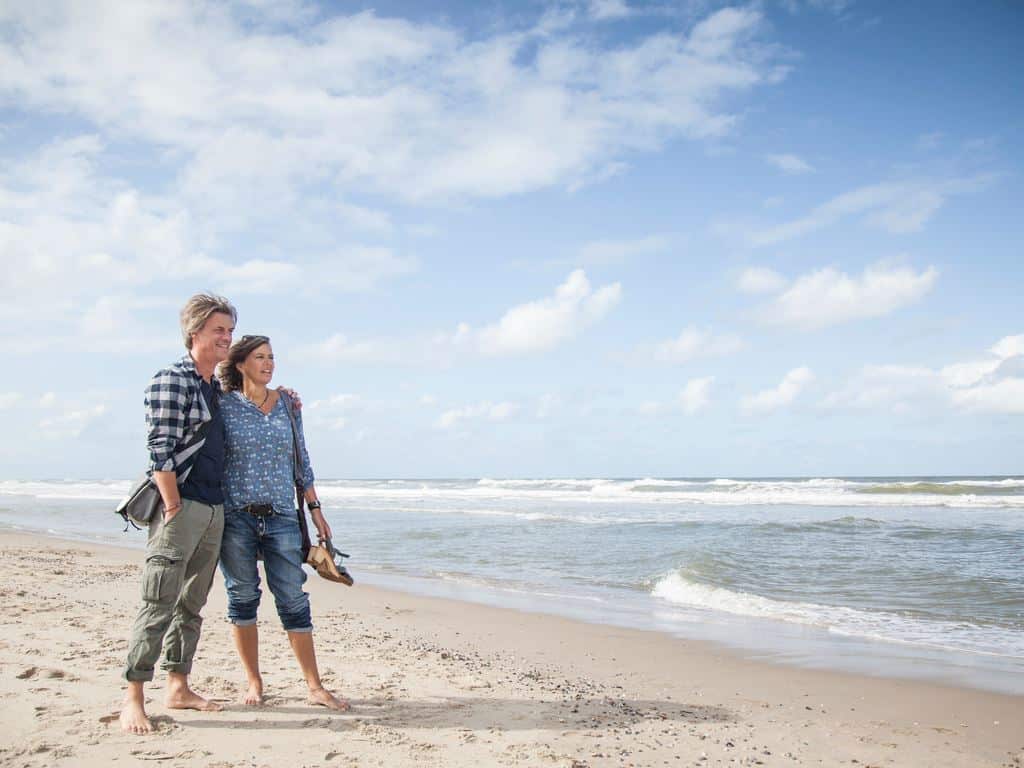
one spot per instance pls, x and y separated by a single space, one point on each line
437 682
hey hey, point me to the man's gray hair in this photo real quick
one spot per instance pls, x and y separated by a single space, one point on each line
197 311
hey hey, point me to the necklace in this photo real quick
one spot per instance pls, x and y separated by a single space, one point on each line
260 406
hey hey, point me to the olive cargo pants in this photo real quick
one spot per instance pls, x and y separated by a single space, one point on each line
181 558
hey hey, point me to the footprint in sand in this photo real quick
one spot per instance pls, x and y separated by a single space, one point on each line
28 673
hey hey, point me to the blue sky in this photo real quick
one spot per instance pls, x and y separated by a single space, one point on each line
594 238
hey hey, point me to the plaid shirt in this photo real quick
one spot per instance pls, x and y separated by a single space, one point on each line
174 411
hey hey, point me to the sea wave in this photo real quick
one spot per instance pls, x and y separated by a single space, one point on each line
819 492
953 488
965 493
112 490
889 627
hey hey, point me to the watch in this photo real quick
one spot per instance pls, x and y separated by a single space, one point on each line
313 505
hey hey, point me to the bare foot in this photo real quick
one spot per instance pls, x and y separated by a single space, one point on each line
253 696
133 717
325 698
189 699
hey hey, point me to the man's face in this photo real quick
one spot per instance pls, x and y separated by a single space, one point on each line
212 341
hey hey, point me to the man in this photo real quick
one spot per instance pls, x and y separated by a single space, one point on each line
186 447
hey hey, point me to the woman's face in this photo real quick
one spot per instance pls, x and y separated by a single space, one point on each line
258 367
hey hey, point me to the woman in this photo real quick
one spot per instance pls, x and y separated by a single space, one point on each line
259 514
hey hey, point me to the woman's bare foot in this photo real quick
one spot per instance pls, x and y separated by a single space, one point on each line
325 698
189 699
253 696
133 714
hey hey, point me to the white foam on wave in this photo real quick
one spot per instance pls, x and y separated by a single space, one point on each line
96 489
487 493
841 620
813 493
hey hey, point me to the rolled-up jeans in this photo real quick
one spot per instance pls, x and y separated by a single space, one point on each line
181 559
278 538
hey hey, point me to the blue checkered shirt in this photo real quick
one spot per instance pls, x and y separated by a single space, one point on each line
175 409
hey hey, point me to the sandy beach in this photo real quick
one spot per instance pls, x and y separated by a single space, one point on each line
436 682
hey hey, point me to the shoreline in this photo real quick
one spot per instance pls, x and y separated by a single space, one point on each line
436 681
783 644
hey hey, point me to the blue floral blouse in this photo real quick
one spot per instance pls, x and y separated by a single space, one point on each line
258 464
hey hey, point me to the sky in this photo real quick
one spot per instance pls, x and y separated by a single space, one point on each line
591 238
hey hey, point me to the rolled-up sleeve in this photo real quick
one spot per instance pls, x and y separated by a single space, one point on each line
166 400
307 468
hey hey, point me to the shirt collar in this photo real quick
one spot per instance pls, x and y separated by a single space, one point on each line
188 365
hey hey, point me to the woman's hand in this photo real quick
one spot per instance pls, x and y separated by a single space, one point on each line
323 529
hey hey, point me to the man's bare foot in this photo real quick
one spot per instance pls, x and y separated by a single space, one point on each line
325 698
189 699
133 717
253 696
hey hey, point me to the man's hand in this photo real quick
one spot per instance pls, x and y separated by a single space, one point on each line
296 400
167 484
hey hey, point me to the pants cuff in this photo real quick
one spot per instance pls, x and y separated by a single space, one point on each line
180 667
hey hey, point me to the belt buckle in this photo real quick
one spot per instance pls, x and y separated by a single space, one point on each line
260 510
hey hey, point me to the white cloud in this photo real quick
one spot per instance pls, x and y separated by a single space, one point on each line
792 384
894 387
760 280
535 326
609 9
1009 346
91 247
486 410
790 164
969 373
338 348
617 251
696 395
360 217
333 412
897 207
694 343
827 296
995 385
337 401
71 422
992 384
1002 396
414 110
9 399
543 324
272 139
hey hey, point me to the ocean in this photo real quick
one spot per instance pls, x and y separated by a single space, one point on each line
914 577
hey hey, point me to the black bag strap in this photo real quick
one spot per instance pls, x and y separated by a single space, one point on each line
194 444
298 473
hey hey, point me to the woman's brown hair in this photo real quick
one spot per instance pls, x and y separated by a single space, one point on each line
228 373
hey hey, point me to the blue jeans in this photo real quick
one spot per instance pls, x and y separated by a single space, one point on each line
278 539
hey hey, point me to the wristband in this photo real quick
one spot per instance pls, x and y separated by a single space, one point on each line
315 504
